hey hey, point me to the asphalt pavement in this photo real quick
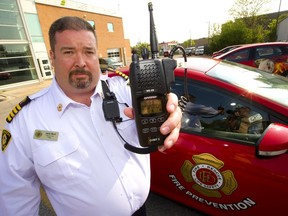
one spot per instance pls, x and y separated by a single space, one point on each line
155 206
160 206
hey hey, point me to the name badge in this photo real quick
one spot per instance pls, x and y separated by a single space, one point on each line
46 135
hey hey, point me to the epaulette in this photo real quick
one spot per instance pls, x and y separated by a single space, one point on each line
17 108
126 77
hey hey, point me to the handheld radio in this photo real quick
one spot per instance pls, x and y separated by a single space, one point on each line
150 81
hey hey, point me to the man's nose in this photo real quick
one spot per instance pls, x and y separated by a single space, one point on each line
80 61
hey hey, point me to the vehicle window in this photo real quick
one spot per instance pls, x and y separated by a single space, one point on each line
267 52
240 56
102 61
220 114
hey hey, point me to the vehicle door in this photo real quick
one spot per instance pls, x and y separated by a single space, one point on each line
214 168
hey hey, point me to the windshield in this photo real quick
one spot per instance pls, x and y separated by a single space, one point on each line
274 87
111 61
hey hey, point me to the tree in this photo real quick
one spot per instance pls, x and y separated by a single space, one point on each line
249 11
139 47
248 8
232 33
248 25
188 43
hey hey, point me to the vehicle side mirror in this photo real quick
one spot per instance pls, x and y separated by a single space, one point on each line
274 141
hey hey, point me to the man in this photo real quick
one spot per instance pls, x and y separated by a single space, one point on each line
60 138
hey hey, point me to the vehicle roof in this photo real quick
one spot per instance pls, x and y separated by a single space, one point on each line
268 89
227 47
245 46
198 63
265 88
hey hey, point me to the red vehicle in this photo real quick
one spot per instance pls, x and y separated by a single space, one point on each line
224 50
166 53
271 57
5 76
233 162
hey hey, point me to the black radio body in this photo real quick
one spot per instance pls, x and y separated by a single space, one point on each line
150 81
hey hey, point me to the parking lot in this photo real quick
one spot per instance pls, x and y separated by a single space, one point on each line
159 206
156 206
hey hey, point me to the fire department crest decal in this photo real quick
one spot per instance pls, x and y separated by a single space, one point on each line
207 176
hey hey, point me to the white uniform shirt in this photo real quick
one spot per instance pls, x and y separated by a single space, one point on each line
85 169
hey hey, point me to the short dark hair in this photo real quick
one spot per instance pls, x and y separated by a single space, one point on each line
68 23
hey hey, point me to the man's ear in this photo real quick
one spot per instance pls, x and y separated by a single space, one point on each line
52 56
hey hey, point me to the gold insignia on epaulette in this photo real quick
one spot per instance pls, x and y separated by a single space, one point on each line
17 108
122 75
5 139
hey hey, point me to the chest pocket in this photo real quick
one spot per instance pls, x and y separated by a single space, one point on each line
65 159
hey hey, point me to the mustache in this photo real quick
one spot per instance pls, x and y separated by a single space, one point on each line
80 71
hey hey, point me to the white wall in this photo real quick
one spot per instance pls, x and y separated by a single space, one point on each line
282 31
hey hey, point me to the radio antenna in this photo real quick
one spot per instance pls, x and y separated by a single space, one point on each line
153 36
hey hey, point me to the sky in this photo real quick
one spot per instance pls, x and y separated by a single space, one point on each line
178 20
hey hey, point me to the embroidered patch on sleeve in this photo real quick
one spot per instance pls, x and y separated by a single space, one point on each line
5 139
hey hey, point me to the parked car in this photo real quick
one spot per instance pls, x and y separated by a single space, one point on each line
199 50
166 53
5 75
190 51
111 63
271 57
224 50
237 160
232 162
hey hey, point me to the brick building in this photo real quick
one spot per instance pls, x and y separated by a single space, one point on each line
24 42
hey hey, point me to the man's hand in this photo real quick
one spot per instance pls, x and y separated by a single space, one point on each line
183 103
171 125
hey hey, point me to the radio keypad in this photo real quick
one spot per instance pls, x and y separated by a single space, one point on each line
154 129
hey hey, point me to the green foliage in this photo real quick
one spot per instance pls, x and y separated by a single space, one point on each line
232 33
248 8
248 26
188 43
283 16
140 46
272 35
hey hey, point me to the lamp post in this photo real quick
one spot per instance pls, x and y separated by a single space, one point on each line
190 42
208 33
276 27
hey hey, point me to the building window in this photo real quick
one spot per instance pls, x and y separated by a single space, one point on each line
16 64
16 61
34 27
113 54
92 23
11 26
110 27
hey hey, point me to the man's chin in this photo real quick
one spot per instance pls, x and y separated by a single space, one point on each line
80 83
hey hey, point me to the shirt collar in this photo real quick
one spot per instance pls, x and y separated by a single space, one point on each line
62 102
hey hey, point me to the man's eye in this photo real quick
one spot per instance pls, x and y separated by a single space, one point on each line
90 52
67 52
